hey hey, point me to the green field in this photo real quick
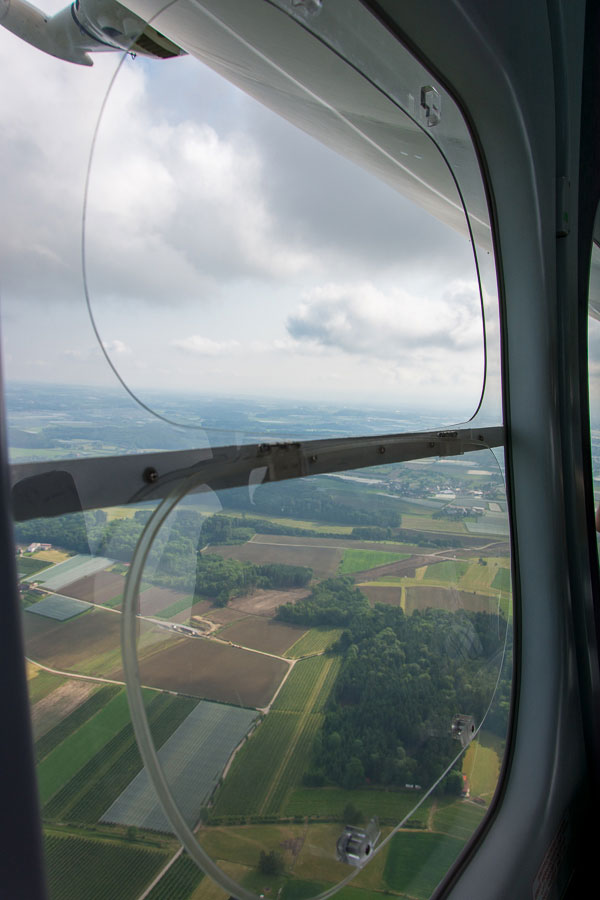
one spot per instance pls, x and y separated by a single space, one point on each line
361 560
459 818
68 757
417 862
179 881
174 608
502 580
42 684
86 796
295 693
273 761
331 802
72 722
79 867
26 565
447 572
314 641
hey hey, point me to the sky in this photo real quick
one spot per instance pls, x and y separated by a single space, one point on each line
225 251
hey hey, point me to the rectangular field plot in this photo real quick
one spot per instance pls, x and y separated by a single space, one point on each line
72 753
52 710
97 588
98 869
391 594
314 641
324 561
273 761
448 598
260 633
156 600
88 644
266 603
56 577
110 767
192 759
58 607
363 560
211 671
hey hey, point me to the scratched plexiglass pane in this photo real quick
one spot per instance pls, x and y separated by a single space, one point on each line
229 253
347 640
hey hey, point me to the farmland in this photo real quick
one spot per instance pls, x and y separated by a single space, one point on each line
324 561
279 750
27 565
314 641
262 634
74 865
41 683
267 602
502 580
192 760
448 598
97 588
211 671
78 645
179 881
109 766
417 862
362 560
53 709
72 753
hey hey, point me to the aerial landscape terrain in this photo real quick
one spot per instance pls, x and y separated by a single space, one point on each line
306 650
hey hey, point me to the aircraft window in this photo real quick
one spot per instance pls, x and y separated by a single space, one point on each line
317 633
228 254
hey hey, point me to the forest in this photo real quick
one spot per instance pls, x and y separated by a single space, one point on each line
402 680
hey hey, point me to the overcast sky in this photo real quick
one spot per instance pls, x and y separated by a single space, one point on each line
226 251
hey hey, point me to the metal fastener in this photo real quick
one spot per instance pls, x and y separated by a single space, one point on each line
150 475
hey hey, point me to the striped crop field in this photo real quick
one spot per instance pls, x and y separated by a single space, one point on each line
98 869
107 771
179 881
298 687
315 641
273 761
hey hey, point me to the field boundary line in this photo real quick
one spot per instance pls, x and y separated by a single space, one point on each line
302 720
161 873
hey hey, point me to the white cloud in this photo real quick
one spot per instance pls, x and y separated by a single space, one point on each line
117 347
201 346
366 320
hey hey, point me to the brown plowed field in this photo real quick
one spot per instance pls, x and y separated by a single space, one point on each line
96 588
266 603
197 609
67 645
261 633
153 599
204 668
448 598
224 615
324 561
390 595
405 567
